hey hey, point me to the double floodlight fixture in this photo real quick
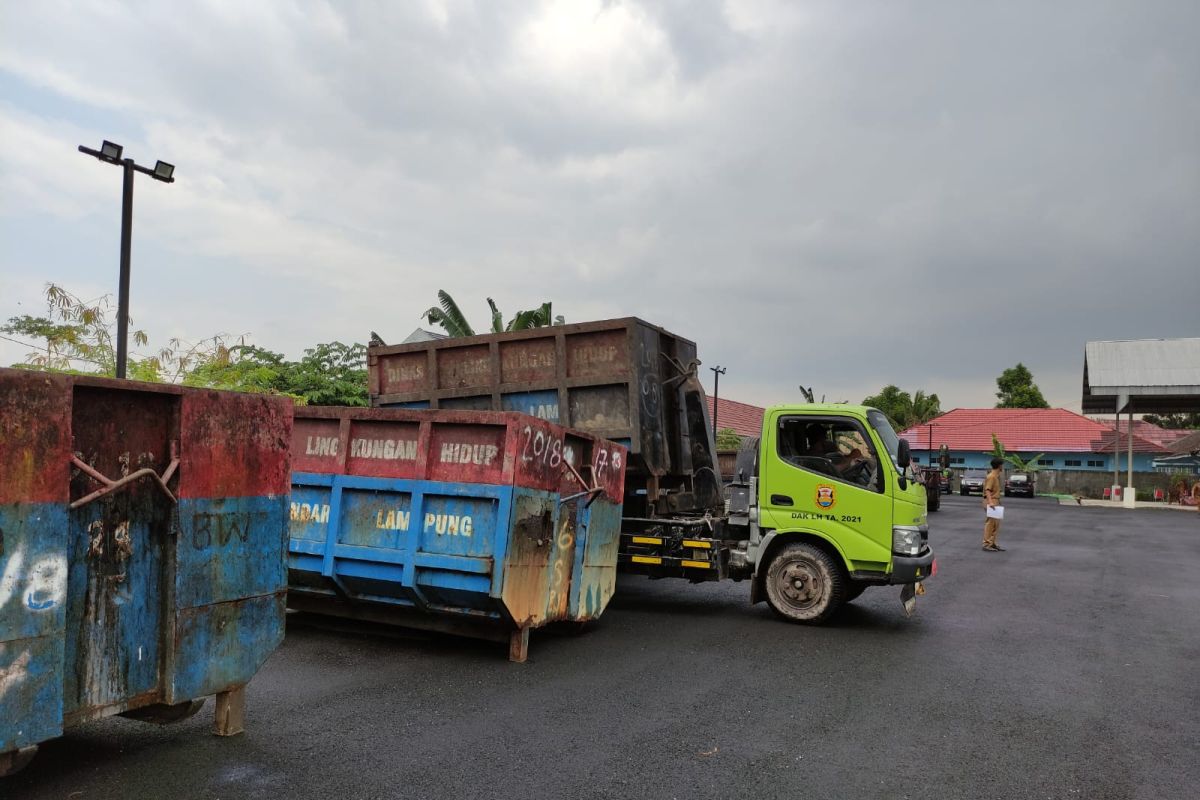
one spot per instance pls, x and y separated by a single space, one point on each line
111 152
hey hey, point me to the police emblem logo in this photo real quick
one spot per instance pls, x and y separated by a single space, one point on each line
825 496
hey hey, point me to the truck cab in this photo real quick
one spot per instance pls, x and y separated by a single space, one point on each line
834 508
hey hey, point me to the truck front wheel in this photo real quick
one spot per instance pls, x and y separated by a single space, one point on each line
804 584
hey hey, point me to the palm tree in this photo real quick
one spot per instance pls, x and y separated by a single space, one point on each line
925 407
904 410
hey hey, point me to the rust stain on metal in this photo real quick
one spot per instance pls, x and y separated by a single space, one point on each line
526 579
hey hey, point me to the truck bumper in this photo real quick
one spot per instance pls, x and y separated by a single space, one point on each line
911 569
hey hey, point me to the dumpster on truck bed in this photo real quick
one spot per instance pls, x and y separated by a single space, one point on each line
142 530
479 523
623 379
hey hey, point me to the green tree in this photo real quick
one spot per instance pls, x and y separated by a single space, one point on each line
728 439
894 403
905 410
1017 389
454 322
242 368
331 374
77 336
1018 464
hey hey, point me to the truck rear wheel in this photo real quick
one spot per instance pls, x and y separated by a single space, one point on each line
804 584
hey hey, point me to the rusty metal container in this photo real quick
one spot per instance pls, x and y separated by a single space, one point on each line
142 532
624 380
480 523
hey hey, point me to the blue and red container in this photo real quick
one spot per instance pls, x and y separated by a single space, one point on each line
480 523
142 536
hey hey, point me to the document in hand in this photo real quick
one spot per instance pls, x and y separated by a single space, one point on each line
995 512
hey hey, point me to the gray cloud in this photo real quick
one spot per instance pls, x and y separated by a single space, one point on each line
807 190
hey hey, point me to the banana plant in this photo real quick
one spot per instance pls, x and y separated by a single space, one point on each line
449 316
1019 464
454 322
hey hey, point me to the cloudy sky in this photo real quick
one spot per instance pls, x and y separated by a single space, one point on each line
836 194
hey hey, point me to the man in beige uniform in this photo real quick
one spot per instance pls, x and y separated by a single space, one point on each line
991 497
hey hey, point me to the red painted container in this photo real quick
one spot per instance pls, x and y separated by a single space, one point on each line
142 529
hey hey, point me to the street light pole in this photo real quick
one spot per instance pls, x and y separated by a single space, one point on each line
717 371
123 285
110 153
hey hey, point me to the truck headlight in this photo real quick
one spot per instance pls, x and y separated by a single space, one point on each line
906 540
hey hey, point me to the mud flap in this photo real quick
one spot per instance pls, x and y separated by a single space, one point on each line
908 597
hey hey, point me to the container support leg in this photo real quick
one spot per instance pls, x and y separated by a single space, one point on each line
518 645
14 761
230 716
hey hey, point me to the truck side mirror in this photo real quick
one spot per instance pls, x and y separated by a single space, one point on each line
903 460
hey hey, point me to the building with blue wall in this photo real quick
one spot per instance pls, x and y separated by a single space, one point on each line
1063 439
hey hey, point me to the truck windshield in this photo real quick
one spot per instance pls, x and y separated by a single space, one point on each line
891 441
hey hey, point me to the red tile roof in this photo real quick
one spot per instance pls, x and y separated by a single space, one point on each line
1146 430
743 418
1187 444
1023 430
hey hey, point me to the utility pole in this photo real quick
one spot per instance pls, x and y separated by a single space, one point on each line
717 371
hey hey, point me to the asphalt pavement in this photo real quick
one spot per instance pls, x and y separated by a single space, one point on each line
1066 667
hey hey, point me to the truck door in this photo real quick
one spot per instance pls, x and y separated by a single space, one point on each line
824 474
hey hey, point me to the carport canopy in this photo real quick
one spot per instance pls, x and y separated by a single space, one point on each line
1146 376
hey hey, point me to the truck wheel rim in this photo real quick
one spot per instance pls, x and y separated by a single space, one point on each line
801 585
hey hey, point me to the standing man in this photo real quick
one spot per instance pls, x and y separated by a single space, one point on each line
991 498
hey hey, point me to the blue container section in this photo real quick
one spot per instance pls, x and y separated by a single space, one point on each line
512 555
87 632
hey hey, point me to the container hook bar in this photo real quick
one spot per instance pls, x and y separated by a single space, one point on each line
110 486
590 492
686 372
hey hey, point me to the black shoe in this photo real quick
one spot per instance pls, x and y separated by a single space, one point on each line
997 548
988 549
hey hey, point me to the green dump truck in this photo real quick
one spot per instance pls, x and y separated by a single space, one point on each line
823 505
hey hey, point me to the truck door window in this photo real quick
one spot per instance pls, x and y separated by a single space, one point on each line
837 448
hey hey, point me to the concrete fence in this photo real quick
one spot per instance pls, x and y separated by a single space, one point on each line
1089 482
1092 483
